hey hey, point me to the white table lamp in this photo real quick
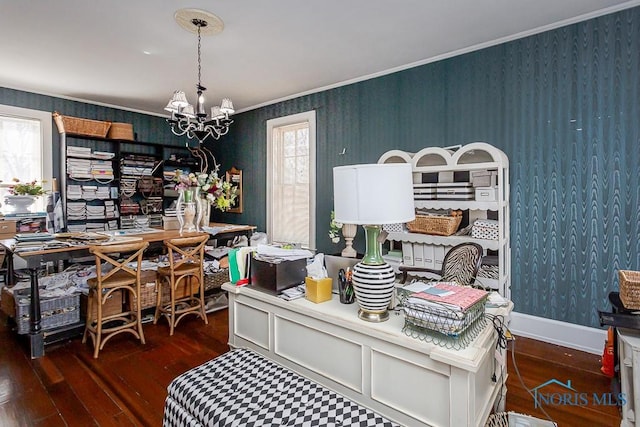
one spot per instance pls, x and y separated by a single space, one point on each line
372 195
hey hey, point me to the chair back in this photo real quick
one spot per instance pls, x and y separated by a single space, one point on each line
103 253
191 250
461 264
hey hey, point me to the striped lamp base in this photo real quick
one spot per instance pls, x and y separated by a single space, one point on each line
373 285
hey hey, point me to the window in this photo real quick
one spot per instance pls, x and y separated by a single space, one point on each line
25 147
291 179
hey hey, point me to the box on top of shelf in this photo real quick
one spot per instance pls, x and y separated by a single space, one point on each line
484 178
78 126
121 131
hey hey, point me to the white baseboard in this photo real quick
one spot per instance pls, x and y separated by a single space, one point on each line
578 337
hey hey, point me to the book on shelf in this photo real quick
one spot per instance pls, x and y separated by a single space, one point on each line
452 295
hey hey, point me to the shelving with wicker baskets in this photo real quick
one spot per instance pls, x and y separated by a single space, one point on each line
453 180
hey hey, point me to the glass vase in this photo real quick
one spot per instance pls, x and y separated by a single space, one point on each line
206 213
189 210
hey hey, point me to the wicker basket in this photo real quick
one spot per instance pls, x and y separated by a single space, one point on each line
629 289
121 131
216 280
440 225
83 127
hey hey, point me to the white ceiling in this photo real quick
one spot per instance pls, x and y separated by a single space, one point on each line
269 50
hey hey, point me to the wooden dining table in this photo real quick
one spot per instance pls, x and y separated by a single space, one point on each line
35 258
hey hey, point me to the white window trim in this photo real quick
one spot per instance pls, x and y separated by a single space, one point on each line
310 117
45 135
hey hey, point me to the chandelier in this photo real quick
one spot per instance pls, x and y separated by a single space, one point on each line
185 120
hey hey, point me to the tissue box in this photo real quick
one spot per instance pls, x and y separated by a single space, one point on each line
276 277
318 290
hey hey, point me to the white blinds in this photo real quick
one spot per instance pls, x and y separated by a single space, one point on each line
290 184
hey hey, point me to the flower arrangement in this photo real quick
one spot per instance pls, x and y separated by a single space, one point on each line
27 188
218 192
334 228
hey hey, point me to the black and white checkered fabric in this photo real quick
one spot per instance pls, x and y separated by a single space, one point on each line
242 388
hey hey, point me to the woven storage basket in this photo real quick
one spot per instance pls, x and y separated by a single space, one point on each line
121 131
629 289
84 127
439 225
216 280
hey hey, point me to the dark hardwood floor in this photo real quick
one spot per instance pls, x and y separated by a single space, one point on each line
126 386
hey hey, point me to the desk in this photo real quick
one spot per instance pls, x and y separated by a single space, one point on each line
232 230
35 259
409 381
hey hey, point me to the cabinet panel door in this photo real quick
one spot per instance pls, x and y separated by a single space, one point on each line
324 352
411 388
252 324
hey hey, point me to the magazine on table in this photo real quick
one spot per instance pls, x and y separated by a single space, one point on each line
449 294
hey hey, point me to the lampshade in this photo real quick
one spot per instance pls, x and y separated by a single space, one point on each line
226 106
373 194
179 99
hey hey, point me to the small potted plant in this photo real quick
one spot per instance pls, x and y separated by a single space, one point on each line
23 194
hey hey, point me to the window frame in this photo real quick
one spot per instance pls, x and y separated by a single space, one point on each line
310 118
46 138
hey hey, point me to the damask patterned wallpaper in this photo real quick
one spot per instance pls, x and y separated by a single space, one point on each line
563 105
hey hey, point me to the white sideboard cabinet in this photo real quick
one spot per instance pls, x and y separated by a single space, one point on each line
407 380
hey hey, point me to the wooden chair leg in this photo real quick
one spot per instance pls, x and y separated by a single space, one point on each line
87 323
139 314
172 306
97 342
158 313
203 310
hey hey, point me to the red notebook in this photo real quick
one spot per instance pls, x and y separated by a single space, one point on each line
460 297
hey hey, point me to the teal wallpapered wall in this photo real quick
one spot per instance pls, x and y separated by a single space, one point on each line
563 105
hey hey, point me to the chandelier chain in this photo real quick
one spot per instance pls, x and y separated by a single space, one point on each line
199 60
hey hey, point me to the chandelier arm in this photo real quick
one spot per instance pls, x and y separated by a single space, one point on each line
179 131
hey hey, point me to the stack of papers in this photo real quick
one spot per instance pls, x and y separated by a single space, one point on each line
74 192
293 293
102 169
79 168
84 152
76 211
95 212
275 254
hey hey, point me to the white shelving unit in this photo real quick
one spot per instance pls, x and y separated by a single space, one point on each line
477 156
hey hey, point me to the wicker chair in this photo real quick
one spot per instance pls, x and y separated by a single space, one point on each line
186 271
100 326
460 265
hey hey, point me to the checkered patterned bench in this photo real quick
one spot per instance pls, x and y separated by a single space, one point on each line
242 388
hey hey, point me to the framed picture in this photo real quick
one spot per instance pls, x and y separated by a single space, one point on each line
234 176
